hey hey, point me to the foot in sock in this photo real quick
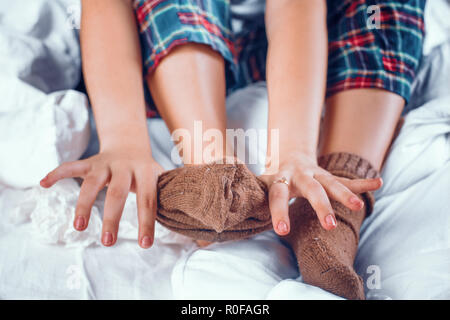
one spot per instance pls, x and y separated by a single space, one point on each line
326 258
213 202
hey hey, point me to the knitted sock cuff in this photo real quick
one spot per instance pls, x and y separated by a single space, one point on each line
351 166
348 165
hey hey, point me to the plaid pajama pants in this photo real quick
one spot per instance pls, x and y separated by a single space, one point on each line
371 43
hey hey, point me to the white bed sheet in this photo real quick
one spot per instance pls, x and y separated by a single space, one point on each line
405 241
404 251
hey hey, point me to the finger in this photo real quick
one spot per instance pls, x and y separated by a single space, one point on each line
279 207
116 196
313 191
339 192
90 188
64 171
146 203
361 185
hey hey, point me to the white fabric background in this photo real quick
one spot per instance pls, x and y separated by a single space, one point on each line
41 256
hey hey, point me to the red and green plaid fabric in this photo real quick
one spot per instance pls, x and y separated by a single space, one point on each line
384 57
165 24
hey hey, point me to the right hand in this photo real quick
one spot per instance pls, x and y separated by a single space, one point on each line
308 180
122 169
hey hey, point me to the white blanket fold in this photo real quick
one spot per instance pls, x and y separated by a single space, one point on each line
41 123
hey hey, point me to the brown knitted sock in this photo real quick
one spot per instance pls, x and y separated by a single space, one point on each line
326 258
213 202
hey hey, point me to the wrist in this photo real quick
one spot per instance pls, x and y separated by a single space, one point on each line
125 137
292 142
299 155
297 152
288 159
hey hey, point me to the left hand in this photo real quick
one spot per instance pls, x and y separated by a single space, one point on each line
306 179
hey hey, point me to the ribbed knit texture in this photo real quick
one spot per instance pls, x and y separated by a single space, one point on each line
213 202
218 202
326 258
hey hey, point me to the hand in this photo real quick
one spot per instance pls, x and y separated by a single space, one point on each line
121 169
306 179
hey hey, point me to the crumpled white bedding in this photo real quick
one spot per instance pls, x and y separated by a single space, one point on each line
404 251
41 123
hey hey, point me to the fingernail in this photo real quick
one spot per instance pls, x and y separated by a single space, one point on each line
356 200
331 221
282 227
146 242
79 223
107 238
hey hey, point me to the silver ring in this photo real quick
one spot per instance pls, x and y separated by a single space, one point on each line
282 180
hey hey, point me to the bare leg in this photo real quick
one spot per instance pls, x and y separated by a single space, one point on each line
188 86
362 122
